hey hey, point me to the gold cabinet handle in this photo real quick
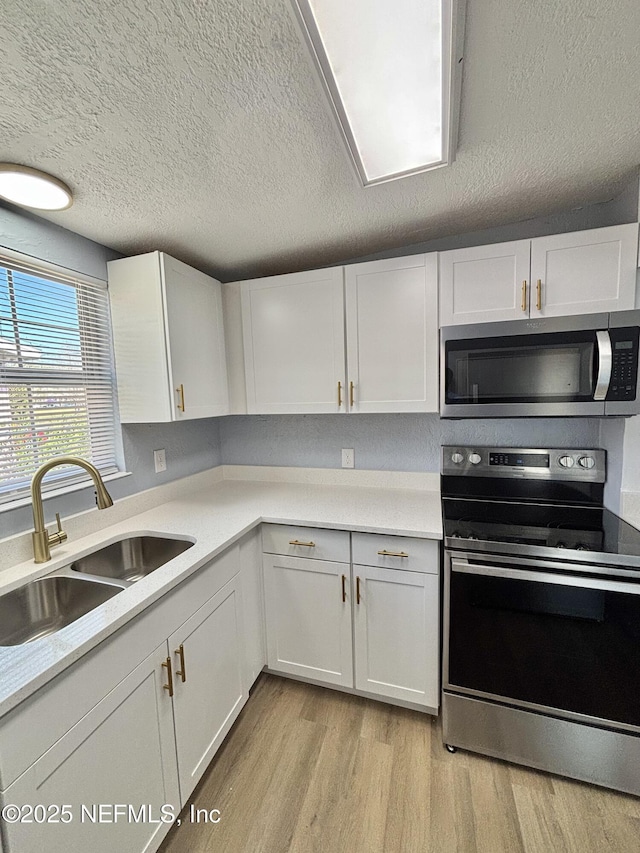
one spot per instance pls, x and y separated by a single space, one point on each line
339 394
539 295
344 588
180 390
304 544
169 685
524 295
392 554
357 590
182 672
351 386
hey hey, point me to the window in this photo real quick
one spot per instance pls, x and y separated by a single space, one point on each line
57 389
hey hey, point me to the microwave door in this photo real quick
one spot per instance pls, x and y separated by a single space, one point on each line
539 374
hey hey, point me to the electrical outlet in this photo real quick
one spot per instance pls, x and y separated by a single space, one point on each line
348 459
160 460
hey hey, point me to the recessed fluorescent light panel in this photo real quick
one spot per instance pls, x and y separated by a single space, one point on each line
392 70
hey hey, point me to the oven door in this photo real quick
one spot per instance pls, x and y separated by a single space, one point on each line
500 370
543 636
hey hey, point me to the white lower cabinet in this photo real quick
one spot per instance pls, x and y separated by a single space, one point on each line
121 752
396 640
136 736
308 616
373 628
207 682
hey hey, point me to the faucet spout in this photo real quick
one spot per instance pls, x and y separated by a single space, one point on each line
42 539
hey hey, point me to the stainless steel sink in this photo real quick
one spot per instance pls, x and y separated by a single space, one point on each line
130 559
47 604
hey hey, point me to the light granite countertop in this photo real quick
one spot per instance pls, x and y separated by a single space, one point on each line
214 518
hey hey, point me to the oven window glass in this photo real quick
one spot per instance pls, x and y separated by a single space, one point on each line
552 645
521 369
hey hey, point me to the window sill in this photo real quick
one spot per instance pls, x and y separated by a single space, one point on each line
62 490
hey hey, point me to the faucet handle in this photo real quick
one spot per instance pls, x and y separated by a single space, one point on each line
60 536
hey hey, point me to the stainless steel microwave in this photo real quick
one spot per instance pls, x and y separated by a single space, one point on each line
560 366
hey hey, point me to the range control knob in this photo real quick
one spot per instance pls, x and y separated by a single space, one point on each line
457 458
586 462
475 458
566 461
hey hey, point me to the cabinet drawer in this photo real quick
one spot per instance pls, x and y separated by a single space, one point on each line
315 542
419 555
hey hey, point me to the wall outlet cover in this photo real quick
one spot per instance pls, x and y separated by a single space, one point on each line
160 460
348 459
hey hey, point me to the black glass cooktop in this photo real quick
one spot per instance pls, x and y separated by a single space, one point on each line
594 532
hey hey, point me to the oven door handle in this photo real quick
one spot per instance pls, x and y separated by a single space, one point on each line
458 565
605 363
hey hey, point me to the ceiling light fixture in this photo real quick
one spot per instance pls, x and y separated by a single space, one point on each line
392 70
33 188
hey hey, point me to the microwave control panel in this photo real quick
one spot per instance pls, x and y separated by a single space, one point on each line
624 369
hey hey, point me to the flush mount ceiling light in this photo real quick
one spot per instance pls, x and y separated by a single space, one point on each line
392 71
33 188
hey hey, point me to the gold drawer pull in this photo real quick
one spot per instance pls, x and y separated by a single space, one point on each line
182 672
539 296
524 295
351 389
180 391
339 394
392 554
169 685
304 544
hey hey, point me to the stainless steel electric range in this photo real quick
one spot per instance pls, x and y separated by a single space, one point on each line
541 648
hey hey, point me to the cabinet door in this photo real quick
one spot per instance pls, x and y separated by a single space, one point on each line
308 618
208 681
122 751
195 342
293 329
584 272
484 283
397 634
392 335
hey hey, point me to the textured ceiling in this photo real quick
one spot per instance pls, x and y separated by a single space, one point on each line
198 128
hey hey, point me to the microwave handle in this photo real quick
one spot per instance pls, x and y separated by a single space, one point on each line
605 362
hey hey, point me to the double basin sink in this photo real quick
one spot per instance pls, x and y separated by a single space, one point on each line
45 605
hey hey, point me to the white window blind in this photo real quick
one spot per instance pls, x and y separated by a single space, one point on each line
57 388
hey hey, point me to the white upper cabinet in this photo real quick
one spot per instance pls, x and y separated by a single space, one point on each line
585 272
168 340
294 329
392 335
294 350
484 283
578 273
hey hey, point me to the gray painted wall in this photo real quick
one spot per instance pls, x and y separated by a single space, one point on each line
23 231
407 442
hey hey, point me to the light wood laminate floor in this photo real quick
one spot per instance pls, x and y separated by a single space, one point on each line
310 770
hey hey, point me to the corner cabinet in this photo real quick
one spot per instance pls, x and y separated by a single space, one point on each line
369 623
584 272
363 338
168 340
